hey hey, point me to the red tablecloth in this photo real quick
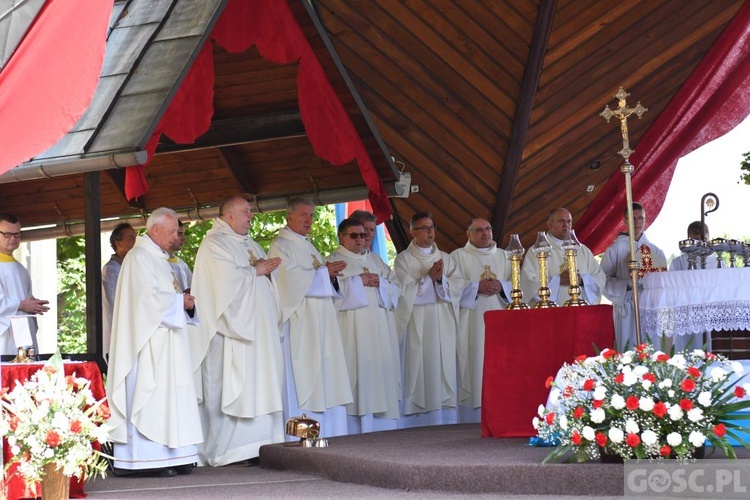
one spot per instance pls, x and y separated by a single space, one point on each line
15 486
522 349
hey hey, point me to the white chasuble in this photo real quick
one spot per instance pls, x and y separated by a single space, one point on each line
150 379
316 353
15 286
368 333
472 264
236 348
427 317
110 275
182 272
592 277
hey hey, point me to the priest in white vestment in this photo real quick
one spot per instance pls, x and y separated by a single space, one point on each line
122 240
681 263
316 379
150 387
180 268
16 299
370 293
619 287
236 348
592 279
482 271
427 317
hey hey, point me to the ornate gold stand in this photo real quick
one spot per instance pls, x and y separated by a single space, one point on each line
571 247
541 249
515 251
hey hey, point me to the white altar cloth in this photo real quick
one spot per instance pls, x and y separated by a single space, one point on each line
695 301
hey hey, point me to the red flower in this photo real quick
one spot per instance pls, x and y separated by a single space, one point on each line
660 409
665 451
739 392
632 403
619 378
642 356
694 372
650 377
597 403
13 422
662 357
76 427
52 438
567 392
687 385
711 356
575 438
686 404
720 430
641 347
70 380
632 440
49 369
548 382
103 411
550 418
609 353
581 358
601 439
589 384
578 412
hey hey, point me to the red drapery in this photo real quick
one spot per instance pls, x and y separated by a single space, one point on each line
714 100
271 26
50 80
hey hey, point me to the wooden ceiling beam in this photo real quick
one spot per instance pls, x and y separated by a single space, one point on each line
232 162
232 131
522 118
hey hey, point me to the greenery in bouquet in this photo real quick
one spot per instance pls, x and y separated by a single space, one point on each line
643 403
54 419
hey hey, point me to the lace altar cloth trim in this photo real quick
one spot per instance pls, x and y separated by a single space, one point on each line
697 318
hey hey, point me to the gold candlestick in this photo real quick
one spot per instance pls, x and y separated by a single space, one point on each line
515 254
571 246
542 249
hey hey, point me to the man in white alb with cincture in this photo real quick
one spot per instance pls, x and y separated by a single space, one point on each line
236 347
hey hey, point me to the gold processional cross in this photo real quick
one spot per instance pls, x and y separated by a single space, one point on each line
622 113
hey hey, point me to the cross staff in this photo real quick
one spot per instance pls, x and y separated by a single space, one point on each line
622 113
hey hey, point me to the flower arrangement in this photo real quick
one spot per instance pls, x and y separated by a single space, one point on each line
53 419
643 403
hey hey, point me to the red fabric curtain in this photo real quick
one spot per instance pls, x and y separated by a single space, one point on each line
271 26
50 80
714 100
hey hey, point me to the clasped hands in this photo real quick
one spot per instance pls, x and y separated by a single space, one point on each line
489 286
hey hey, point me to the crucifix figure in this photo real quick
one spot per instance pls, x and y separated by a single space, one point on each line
622 113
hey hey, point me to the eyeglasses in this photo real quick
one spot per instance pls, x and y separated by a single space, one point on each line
354 236
426 228
11 235
487 229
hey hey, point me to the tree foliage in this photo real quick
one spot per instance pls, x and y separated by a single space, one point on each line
71 266
745 167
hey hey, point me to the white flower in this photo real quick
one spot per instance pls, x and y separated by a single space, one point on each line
535 422
615 435
678 361
696 439
717 374
695 415
540 410
640 370
675 413
704 398
15 450
645 403
563 422
746 387
588 433
629 378
597 415
737 368
599 392
554 396
670 393
631 426
698 353
665 384
649 437
617 402
646 384
674 438
627 358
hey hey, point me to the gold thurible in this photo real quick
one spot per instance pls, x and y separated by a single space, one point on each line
542 249
515 253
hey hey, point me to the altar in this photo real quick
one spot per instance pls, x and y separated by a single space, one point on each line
695 302
14 485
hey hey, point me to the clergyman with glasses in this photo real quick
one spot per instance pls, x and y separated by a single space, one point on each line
370 293
427 317
16 298
482 272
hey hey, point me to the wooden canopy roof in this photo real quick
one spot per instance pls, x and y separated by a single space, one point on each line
491 106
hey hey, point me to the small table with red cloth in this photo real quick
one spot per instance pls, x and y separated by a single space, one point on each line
15 486
524 347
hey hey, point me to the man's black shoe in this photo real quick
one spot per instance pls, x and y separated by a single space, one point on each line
185 469
166 472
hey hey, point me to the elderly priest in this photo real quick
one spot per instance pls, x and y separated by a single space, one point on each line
155 421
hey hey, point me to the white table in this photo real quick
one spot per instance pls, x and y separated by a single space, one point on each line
696 301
